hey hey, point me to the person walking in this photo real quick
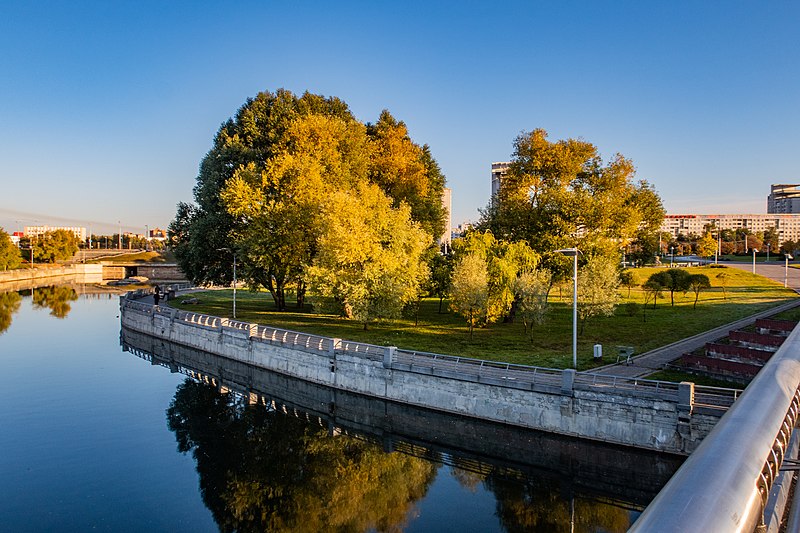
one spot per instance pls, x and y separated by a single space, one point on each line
156 294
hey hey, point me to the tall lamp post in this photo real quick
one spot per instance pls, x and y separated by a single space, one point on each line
671 255
754 260
786 269
234 276
573 252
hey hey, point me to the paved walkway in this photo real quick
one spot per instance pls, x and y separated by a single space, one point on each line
654 360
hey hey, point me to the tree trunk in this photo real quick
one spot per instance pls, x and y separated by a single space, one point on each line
441 299
301 294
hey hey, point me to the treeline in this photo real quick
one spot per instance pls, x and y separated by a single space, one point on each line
345 214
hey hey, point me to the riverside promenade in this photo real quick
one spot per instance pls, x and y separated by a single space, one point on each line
645 364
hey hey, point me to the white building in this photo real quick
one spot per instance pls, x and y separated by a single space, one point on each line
499 171
35 231
783 199
787 226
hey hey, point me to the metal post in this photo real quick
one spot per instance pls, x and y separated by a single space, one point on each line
754 260
671 255
575 312
234 284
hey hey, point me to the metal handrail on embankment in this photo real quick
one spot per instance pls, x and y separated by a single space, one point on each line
724 484
506 374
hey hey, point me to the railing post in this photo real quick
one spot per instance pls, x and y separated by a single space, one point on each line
332 350
567 381
686 397
388 356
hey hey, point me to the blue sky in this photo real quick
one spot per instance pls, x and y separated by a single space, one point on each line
107 108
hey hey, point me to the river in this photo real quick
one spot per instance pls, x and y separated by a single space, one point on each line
142 437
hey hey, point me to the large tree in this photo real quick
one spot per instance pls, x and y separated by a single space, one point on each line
469 289
561 194
204 234
505 261
52 246
9 253
271 167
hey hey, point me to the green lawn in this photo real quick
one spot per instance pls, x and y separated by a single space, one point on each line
552 345
138 257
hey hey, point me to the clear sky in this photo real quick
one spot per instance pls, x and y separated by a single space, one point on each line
107 108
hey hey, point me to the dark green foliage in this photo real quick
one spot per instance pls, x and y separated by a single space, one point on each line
673 279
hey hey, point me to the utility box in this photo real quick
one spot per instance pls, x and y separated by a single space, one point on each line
598 352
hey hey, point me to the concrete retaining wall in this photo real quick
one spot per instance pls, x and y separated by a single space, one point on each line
664 418
82 273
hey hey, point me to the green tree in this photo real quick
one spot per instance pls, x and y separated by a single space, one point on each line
200 233
652 292
561 194
369 263
722 277
672 279
598 281
10 256
627 279
52 246
505 261
469 290
441 274
278 207
698 283
531 290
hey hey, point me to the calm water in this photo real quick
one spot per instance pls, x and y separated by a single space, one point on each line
97 438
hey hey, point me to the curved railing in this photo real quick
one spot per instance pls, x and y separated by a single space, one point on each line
512 375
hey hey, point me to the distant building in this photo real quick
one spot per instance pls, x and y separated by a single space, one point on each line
158 234
447 203
787 226
15 238
499 171
35 231
783 199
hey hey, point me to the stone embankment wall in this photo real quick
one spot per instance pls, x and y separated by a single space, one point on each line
21 278
641 413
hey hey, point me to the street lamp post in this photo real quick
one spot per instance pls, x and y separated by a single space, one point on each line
786 270
234 276
754 260
573 252
671 255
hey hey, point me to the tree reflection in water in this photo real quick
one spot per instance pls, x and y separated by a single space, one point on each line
261 470
56 299
9 304
540 505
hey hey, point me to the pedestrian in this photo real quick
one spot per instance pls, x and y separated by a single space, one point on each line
156 294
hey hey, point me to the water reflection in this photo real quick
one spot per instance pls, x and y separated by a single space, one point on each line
262 470
9 304
278 453
55 298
